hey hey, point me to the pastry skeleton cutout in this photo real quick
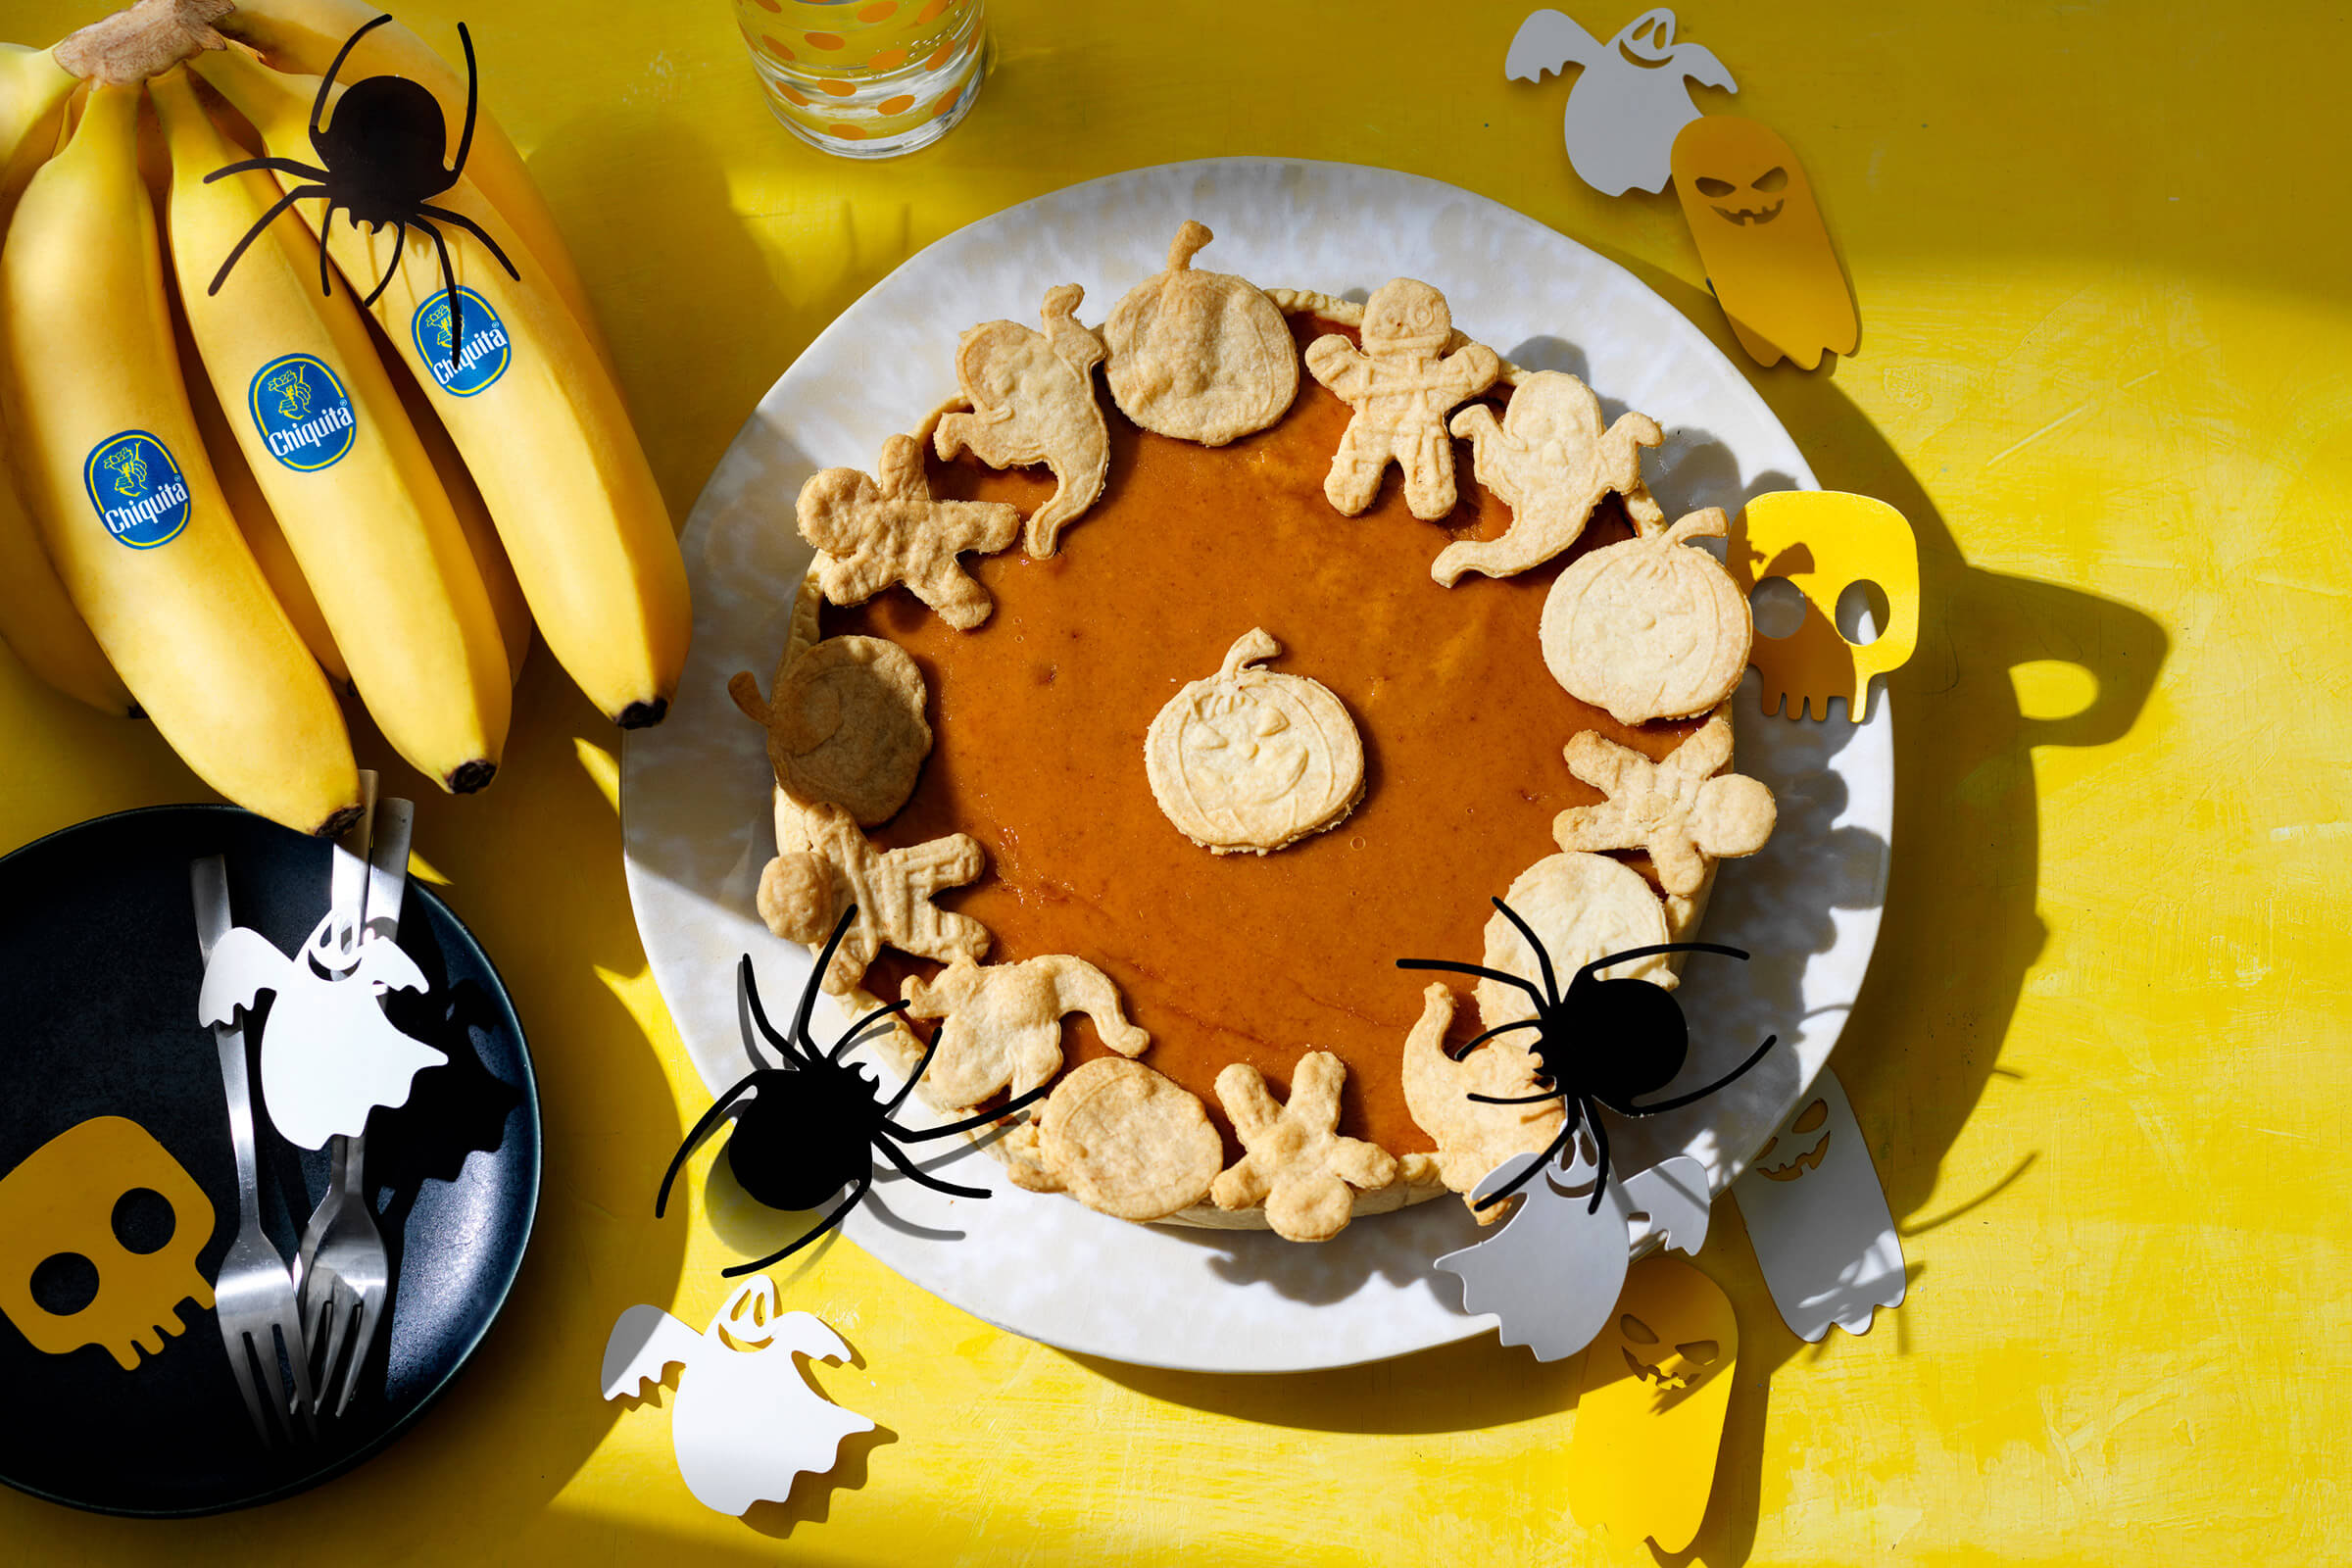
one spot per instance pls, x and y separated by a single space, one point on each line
1551 461
873 532
1681 810
1402 382
1298 1165
1003 1023
805 887
1033 401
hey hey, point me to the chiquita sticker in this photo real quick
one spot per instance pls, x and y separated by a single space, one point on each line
303 415
141 494
461 371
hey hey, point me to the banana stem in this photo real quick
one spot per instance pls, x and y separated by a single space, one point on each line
145 40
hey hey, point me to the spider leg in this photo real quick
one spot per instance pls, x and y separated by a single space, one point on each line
1530 1100
873 1023
399 239
1449 967
750 994
856 1193
1679 1101
473 229
1551 984
930 1050
472 85
261 223
1533 1166
282 166
1500 1029
1600 1178
326 83
1629 954
449 283
1018 1103
824 963
892 1153
326 226
702 1130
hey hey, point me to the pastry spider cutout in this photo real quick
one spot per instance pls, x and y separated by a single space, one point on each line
873 532
1551 461
1402 383
1033 401
1606 1043
1298 1165
1681 810
382 153
812 1127
885 893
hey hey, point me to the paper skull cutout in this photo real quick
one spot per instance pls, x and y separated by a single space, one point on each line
1821 542
63 1214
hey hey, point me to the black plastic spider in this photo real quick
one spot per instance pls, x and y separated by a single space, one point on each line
811 1126
1602 1045
383 160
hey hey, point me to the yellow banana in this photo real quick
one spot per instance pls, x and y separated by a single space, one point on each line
524 397
302 36
36 618
128 507
506 603
329 444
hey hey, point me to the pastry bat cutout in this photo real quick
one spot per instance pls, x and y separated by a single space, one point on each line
1819 1221
1762 239
1633 95
746 1423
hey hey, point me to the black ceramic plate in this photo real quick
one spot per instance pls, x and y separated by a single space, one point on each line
99 972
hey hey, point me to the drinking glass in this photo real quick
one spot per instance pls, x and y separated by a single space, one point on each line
866 79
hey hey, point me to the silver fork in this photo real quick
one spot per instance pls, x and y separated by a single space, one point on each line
253 1296
346 1273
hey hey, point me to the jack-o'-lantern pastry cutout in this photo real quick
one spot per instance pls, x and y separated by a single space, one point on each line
872 532
805 889
1033 401
1548 460
1684 810
1651 628
845 726
1821 543
1248 760
1761 237
1199 356
1581 908
1297 1166
82 1260
1823 1232
1127 1142
1649 1422
1402 383
1003 1023
1478 1110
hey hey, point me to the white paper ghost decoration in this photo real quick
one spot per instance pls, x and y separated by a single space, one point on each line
1819 1220
330 1056
746 1423
1632 99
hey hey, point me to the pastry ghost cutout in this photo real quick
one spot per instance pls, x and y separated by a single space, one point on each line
1552 1272
1551 460
79 1261
746 1423
1033 401
1761 237
1632 96
330 1056
1821 542
1819 1221
1649 1422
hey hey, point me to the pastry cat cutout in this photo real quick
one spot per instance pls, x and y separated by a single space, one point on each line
1003 1023
1649 1422
70 1276
330 1056
1033 401
1761 237
1819 1221
1821 543
1403 383
1634 94
1551 461
746 1424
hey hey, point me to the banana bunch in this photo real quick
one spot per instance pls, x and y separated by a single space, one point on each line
250 455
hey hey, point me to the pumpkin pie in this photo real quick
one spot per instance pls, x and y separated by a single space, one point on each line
1340 626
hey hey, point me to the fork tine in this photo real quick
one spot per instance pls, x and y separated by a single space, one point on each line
302 1403
361 1335
240 1366
262 1346
335 1337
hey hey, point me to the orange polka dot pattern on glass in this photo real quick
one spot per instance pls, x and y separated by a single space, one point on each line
866 79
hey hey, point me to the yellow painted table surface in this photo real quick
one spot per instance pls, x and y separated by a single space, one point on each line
2106 370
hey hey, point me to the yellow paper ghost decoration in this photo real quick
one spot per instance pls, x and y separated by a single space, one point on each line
1821 541
1760 234
1641 1458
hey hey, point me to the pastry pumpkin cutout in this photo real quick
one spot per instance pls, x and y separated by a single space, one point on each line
1033 401
1199 356
1248 760
1650 627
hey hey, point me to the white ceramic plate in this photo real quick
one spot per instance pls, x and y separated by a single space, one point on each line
695 791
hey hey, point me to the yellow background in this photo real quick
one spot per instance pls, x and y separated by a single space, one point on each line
2105 370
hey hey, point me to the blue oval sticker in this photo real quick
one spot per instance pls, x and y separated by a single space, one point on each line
303 415
141 494
460 370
